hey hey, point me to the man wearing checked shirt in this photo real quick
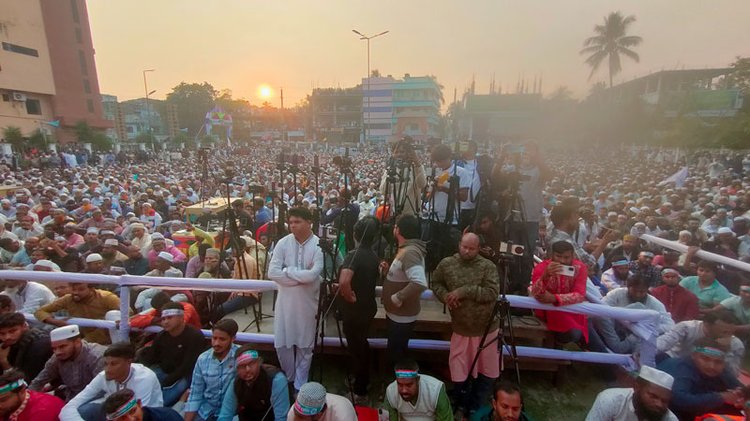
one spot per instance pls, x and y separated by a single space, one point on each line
213 373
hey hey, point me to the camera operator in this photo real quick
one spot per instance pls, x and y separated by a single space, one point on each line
446 209
403 158
521 164
357 279
469 163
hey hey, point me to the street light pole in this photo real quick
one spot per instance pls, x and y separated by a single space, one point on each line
148 111
366 127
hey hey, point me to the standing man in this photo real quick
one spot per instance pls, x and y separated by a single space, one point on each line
403 286
174 352
213 373
359 274
469 285
648 400
73 365
296 266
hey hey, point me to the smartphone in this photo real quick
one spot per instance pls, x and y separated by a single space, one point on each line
567 270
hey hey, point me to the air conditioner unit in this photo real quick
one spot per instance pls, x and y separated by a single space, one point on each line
18 96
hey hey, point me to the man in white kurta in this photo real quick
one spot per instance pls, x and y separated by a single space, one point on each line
296 265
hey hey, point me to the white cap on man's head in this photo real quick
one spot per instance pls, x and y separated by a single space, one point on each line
94 257
47 264
656 377
92 230
111 242
166 256
65 332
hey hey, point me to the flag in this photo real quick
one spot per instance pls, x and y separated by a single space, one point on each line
55 123
677 178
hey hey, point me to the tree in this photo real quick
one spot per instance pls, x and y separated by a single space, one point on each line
38 140
740 77
86 134
193 101
561 94
611 40
14 136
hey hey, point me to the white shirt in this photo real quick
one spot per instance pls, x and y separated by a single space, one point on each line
441 198
296 268
141 380
616 404
31 297
471 201
338 408
678 342
619 298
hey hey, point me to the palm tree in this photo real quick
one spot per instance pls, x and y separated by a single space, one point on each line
610 41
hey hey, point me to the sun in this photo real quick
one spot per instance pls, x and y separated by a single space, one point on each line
264 91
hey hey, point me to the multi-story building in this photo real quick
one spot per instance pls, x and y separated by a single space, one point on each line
416 107
113 113
336 115
48 71
492 118
142 116
377 108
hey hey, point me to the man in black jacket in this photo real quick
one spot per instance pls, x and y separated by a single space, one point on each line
174 352
22 347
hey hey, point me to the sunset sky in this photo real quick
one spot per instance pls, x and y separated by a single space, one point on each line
300 44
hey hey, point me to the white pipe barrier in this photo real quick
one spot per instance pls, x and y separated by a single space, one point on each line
674 245
642 322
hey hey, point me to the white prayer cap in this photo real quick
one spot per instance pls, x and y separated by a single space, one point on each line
113 316
157 236
656 377
137 225
92 230
48 264
725 230
94 257
111 242
65 332
166 256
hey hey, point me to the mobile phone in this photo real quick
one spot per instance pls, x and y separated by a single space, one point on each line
567 270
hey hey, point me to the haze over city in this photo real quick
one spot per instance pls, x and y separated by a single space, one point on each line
243 45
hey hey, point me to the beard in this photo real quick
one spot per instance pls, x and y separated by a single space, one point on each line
644 413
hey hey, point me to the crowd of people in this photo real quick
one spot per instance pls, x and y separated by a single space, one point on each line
408 219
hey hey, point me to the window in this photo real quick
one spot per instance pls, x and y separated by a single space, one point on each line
79 36
74 10
82 62
90 105
20 50
6 97
33 106
86 86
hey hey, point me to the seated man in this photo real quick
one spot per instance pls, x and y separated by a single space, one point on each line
73 365
153 316
414 396
257 390
313 403
506 405
22 347
616 276
86 302
679 302
550 285
174 352
119 373
124 406
162 263
705 286
739 306
213 373
681 339
18 403
648 400
702 382
28 296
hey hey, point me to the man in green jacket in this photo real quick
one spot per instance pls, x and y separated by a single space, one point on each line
469 285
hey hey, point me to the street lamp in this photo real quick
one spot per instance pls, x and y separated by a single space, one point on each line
148 111
362 36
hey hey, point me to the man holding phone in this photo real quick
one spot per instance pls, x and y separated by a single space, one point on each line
561 280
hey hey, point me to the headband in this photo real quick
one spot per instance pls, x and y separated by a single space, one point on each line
647 253
247 356
172 312
406 374
13 386
745 288
303 409
622 262
711 352
670 270
124 409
